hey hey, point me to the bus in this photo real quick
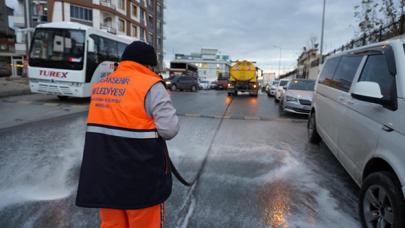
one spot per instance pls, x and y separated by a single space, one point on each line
67 58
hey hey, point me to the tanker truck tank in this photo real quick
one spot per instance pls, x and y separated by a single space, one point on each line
243 78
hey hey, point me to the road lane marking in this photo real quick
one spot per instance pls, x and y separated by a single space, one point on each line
251 118
51 104
24 102
192 115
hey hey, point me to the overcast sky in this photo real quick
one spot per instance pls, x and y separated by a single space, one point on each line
253 29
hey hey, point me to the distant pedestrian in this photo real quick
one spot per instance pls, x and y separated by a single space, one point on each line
125 169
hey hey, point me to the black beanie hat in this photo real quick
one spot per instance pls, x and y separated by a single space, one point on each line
140 52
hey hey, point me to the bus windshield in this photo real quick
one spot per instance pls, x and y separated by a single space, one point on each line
57 48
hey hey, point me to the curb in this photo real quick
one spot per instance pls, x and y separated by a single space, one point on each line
14 93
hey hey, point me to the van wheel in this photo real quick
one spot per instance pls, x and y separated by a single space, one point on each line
313 136
174 87
281 107
63 98
381 202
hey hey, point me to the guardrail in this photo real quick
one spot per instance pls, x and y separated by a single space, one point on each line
382 33
107 3
109 29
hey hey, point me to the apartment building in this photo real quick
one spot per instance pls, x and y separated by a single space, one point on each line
141 19
308 64
211 64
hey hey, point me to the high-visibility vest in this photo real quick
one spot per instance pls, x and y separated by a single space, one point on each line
125 162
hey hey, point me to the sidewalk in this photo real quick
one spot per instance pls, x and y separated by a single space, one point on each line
13 86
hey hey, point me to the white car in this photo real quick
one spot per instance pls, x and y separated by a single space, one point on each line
204 84
358 110
298 96
280 89
271 89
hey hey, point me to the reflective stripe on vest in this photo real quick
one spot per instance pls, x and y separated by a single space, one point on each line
123 133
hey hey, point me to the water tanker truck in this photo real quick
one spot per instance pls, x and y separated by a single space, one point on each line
243 78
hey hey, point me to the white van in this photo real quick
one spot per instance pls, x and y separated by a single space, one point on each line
358 110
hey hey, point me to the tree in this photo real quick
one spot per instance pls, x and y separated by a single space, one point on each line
389 12
366 14
313 42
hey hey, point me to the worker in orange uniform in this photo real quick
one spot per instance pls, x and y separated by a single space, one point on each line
125 169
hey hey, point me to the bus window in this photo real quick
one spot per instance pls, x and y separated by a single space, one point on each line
93 58
57 48
121 48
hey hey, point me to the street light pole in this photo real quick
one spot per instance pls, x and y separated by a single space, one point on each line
279 62
279 59
322 32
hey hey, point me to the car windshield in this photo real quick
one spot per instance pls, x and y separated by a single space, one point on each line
283 83
302 85
57 48
275 83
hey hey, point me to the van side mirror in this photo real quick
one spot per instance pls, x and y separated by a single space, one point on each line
285 87
368 91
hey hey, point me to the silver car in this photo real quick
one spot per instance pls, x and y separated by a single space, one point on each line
297 97
272 87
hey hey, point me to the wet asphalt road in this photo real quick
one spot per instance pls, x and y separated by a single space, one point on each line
261 172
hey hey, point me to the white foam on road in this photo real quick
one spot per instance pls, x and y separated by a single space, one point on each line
43 175
290 181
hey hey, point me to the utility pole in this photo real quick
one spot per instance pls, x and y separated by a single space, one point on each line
279 59
27 25
279 63
322 32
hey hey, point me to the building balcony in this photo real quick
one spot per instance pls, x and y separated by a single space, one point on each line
108 28
107 3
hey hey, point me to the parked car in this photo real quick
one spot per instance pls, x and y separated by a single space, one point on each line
281 86
213 85
182 83
297 97
222 83
271 88
358 111
204 84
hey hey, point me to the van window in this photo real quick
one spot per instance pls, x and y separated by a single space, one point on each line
328 70
376 70
345 72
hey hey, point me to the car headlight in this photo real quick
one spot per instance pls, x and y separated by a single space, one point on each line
289 98
168 83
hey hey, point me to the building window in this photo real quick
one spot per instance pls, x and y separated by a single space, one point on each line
121 4
134 31
134 10
142 34
80 13
121 25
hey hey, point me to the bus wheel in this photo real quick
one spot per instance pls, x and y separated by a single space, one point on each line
62 98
